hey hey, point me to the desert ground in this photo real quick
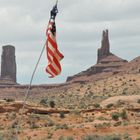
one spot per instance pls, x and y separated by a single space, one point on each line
107 109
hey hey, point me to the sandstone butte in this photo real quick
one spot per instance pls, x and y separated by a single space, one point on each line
107 63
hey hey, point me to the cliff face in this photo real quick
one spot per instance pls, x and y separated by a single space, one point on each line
8 65
107 63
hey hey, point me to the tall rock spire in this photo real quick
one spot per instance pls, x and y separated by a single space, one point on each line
8 62
107 64
105 47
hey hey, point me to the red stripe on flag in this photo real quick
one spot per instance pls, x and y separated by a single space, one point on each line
53 54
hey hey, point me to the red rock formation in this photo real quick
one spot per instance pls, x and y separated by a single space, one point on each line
106 63
105 47
8 66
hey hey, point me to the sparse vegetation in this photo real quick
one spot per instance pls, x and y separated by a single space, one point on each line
52 104
33 125
123 114
90 109
44 101
96 137
1 137
66 138
62 115
59 126
110 105
101 118
49 135
115 116
12 115
90 137
97 105
9 99
126 136
138 101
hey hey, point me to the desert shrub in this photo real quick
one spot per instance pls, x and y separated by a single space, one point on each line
124 93
112 137
49 135
78 89
33 125
118 123
125 123
70 138
52 104
119 103
28 138
75 112
9 100
126 136
44 101
123 114
90 137
62 115
104 125
115 116
61 138
1 128
12 115
138 101
1 137
14 124
97 105
10 135
101 118
110 105
64 126
96 137
50 123
64 138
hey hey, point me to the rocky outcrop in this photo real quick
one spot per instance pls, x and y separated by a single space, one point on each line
105 47
107 63
8 65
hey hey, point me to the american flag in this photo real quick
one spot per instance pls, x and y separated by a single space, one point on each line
53 54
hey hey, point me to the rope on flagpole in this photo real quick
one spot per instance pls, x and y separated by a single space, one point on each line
27 94
30 84
32 77
28 90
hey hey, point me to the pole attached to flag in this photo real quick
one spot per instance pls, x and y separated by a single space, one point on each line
54 12
53 54
34 71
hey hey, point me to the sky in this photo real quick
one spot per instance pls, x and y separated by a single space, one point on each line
79 29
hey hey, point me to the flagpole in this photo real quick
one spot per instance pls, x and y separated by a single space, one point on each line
32 77
29 87
28 90
30 84
27 94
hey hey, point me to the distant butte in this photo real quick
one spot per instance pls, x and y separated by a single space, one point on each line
8 66
107 63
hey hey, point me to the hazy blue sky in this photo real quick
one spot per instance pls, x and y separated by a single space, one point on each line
79 29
